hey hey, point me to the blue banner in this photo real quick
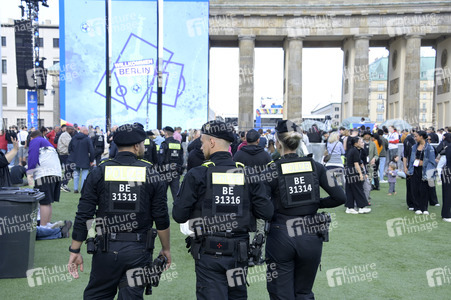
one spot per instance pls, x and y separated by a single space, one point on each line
32 109
133 29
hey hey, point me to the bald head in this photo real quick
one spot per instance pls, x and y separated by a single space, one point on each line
84 130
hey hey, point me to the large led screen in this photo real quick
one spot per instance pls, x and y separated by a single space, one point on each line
133 27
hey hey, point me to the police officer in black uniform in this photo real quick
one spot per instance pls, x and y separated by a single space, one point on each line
295 239
126 200
221 206
98 141
171 156
150 152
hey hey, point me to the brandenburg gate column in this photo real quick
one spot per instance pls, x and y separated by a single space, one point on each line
246 85
443 81
411 101
355 77
404 79
292 96
361 81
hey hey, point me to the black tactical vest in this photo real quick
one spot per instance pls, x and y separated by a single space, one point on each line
298 186
173 151
126 198
227 204
148 145
99 141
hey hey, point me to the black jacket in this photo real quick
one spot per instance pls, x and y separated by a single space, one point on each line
252 155
17 174
9 134
5 178
195 155
193 188
81 151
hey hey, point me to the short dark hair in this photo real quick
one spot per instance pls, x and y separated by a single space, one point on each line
423 134
354 140
35 133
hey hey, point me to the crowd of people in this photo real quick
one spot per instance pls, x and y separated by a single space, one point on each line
355 161
358 159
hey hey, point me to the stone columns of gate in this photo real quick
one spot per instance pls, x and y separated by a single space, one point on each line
361 76
292 108
411 99
246 82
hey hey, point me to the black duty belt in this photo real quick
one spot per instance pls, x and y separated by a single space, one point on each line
127 237
230 235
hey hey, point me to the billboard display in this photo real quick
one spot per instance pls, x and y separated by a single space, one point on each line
133 40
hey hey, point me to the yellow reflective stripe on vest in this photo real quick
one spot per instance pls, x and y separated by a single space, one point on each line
146 142
208 163
125 173
297 167
158 147
239 165
174 146
228 178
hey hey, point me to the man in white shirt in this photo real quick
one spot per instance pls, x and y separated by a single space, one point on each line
23 149
393 141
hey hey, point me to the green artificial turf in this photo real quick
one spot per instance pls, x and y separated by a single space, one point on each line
388 267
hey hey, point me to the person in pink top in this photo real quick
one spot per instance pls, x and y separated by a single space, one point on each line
177 134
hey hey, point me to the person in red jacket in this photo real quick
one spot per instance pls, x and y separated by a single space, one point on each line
3 142
51 135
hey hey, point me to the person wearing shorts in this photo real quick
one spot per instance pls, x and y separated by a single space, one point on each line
23 147
44 164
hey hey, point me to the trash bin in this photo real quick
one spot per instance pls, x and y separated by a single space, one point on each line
18 214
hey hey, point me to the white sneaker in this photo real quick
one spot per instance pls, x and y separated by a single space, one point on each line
56 224
411 208
351 211
364 210
425 212
447 220
418 212
438 204
383 181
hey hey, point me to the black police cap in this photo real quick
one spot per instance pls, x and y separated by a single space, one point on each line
219 130
149 133
252 136
168 128
129 134
286 126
